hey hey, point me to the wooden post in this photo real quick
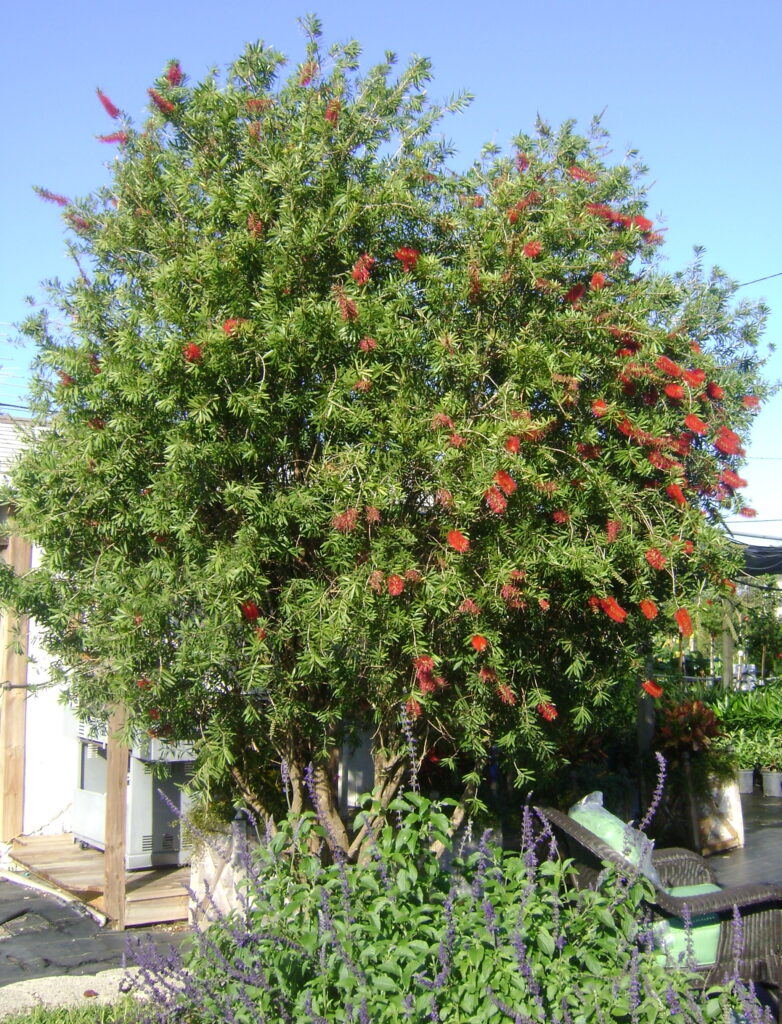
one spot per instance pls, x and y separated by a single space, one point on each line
728 645
13 703
116 821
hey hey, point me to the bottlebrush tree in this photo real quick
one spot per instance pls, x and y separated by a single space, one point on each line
324 429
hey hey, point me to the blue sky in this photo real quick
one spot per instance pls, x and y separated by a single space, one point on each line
695 86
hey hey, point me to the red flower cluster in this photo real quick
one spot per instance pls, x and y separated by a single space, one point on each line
695 424
332 111
164 106
348 310
108 106
372 514
424 673
395 585
714 391
375 581
675 492
750 401
407 257
457 441
468 606
613 529
694 377
543 604
345 522
532 249
505 481
230 325
731 479
480 643
120 137
588 451
649 608
174 74
440 420
496 501
674 391
728 442
547 711
613 609
458 541
192 353
599 408
513 444
413 707
363 385
668 366
747 512
580 174
143 683
250 611
367 344
362 268
255 225
506 695
655 558
597 281
684 622
652 688
52 197
575 294
560 516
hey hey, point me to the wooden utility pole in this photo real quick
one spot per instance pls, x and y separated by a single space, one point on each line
13 702
116 820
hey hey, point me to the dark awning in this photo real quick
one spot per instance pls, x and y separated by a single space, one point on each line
762 561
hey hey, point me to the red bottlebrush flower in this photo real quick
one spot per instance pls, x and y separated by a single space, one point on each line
332 111
731 479
487 674
684 622
441 420
575 295
255 225
51 197
108 106
458 541
480 643
714 391
230 325
308 72
613 609
643 223
444 497
78 223
599 408
372 514
375 581
522 162
676 493
532 249
469 607
649 608
750 401
363 385
652 688
66 379
694 378
674 391
407 257
613 529
348 310
256 105
600 210
506 695
362 268
143 683
668 366
588 451
655 558
367 344
660 461
260 633
513 444
345 522
193 353
747 512
688 547
174 73
597 281
618 258
580 174
96 423
728 442
695 424
164 106
119 137
154 713
250 611
505 482
424 665
413 576
543 604
496 501
413 708
594 603
560 516
513 215
547 711
457 441
395 585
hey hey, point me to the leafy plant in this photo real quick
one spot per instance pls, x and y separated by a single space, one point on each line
350 430
497 937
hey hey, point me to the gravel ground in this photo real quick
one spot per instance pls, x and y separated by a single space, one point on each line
63 990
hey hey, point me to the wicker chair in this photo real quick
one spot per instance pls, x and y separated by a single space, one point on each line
760 906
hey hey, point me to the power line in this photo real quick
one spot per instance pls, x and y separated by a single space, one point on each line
766 278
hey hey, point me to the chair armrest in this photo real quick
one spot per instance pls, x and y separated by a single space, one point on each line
677 866
745 897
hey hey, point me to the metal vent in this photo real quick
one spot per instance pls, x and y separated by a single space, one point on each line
167 842
93 751
146 844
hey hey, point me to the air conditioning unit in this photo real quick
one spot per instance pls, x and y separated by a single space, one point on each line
154 836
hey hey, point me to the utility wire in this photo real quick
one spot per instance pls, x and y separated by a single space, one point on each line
766 278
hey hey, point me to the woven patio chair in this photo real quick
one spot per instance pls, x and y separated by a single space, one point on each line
760 906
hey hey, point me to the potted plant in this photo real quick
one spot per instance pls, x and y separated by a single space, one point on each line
746 750
770 757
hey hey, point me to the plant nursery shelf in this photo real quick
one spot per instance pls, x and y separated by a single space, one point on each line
152 896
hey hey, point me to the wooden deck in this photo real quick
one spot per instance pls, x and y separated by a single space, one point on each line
152 896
